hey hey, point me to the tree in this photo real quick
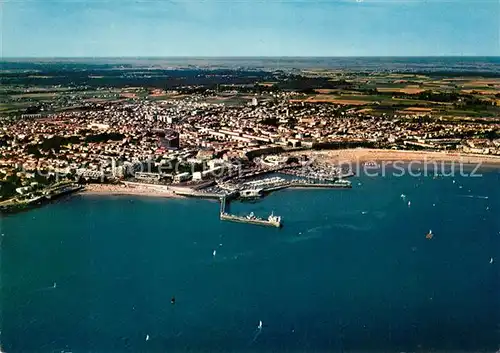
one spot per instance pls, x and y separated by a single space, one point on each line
7 189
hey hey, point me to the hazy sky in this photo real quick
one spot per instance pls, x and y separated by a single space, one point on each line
52 28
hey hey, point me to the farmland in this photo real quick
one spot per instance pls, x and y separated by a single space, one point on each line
441 94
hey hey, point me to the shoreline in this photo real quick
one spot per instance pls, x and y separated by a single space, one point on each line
362 155
124 190
330 157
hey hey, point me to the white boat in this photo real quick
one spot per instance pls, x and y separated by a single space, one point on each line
251 216
215 252
260 325
342 182
147 337
491 260
274 219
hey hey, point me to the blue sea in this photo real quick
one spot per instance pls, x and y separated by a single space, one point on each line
350 271
477 65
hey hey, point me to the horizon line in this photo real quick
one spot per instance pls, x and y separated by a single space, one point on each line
3 58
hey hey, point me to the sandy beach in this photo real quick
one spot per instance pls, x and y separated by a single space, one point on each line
381 155
123 189
350 157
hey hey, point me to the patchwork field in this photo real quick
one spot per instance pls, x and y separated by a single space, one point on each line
327 90
267 84
486 92
34 95
418 109
483 82
128 95
377 93
321 98
407 90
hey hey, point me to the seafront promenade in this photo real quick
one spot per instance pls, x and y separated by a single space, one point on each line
131 188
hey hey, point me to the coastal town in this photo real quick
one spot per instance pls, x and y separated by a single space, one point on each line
182 141
276 176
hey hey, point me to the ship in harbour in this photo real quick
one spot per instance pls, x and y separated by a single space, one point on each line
251 194
272 220
342 183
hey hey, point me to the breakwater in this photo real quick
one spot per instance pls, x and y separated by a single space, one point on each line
36 200
205 195
271 221
338 184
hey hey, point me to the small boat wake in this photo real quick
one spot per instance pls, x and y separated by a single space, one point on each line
257 333
54 286
301 238
317 229
379 214
475 197
221 259
354 227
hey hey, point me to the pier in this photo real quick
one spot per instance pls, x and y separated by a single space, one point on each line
271 221
206 195
338 184
254 189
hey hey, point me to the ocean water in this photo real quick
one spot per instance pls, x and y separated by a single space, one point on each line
351 271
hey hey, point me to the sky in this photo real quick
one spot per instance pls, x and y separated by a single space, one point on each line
103 28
